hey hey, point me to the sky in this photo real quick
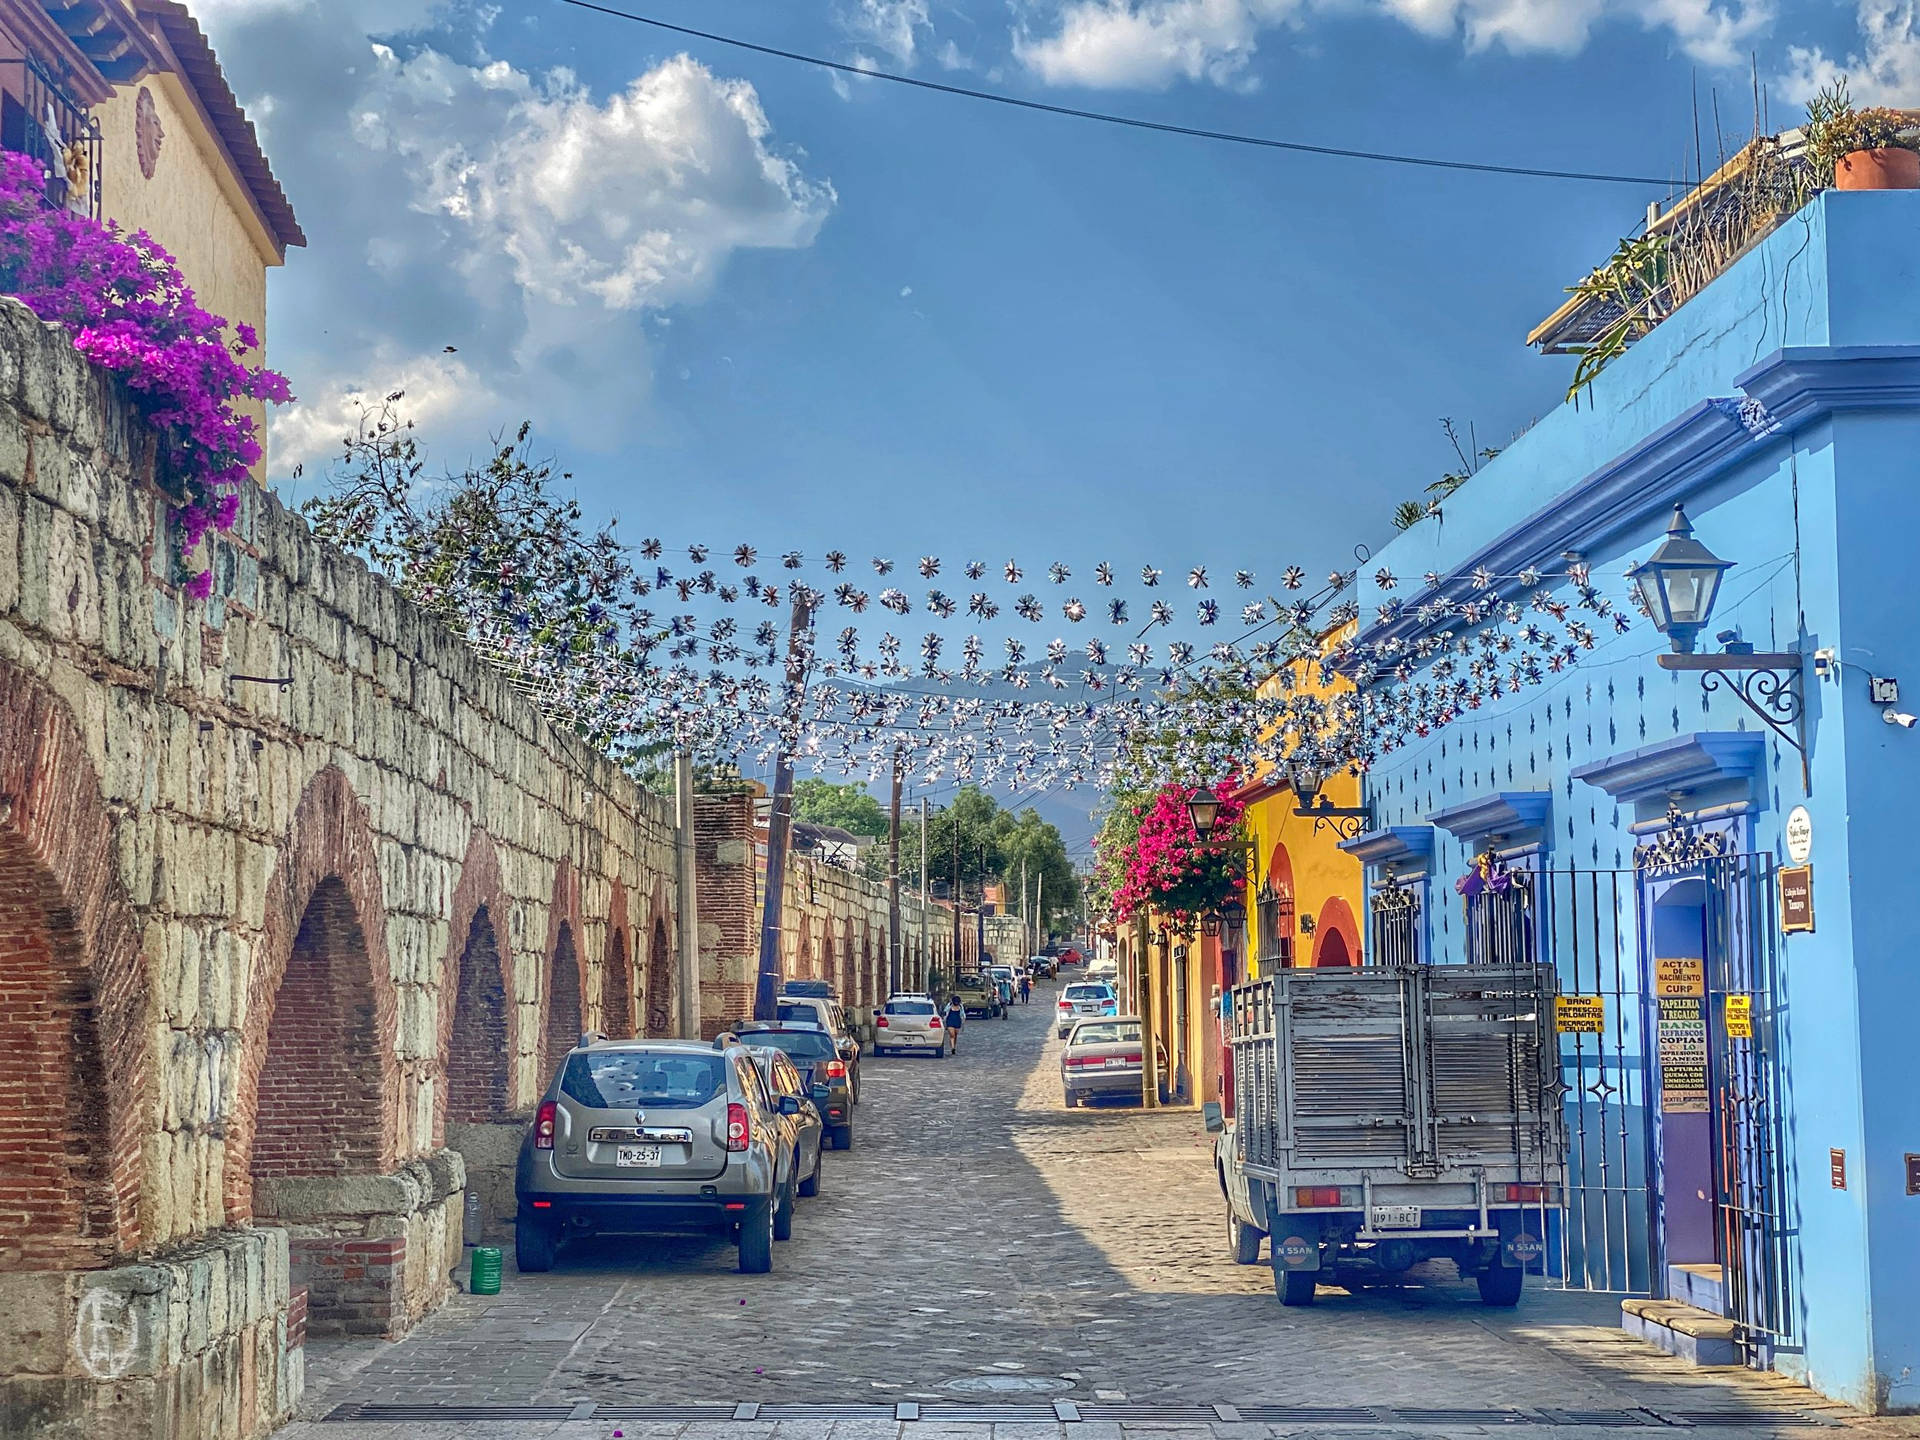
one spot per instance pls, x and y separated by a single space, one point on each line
747 300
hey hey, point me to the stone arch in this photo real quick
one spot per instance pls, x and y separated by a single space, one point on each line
867 985
1336 935
848 983
566 972
478 1021
616 971
76 1069
319 1077
659 996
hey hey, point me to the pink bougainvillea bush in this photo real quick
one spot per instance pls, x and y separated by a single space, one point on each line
131 313
1166 867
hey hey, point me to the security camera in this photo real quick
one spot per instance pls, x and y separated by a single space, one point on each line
1900 718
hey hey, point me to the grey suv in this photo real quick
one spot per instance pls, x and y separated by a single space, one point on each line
655 1137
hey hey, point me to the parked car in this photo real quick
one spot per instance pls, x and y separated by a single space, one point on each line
654 1137
979 995
817 989
827 1014
1071 956
807 1128
1043 966
1083 999
1103 1058
909 1024
818 1060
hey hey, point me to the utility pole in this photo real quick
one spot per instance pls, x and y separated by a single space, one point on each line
780 817
893 881
1040 909
686 896
1026 923
956 892
924 961
1149 1051
980 915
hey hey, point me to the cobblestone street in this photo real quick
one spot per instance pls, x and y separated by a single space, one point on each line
982 1245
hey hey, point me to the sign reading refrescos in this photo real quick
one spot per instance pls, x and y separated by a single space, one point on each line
1580 1014
1799 835
1796 899
1683 1055
1739 1017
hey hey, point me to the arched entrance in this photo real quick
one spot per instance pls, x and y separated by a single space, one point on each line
478 1048
563 1002
659 996
1336 938
616 989
1277 938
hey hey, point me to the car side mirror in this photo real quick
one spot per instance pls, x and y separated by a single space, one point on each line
1212 1117
789 1104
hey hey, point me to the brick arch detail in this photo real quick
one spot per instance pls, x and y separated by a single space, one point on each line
54 819
479 887
849 978
616 970
330 839
658 998
563 986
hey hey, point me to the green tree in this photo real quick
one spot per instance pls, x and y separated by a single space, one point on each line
849 807
992 844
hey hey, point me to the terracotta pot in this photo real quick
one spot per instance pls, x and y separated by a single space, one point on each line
1886 169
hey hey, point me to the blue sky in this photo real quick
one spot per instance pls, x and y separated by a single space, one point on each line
743 299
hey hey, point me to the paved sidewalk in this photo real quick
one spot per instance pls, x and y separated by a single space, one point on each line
983 1246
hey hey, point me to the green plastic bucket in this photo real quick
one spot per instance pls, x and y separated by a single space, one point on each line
485 1276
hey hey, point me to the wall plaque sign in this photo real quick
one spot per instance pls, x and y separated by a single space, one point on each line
1796 899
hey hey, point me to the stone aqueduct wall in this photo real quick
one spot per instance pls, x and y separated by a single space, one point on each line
280 964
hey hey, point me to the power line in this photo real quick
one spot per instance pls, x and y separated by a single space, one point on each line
1130 121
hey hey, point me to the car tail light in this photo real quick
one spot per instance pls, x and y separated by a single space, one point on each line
1308 1197
543 1123
879 1022
739 1127
834 1069
1074 1062
1527 1193
933 1023
1132 1057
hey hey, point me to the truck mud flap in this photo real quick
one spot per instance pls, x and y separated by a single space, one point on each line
1520 1248
1296 1244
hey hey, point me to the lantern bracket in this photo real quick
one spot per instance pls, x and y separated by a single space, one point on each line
1772 684
1346 821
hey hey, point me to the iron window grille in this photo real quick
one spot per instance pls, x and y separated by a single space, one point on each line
1395 910
45 123
1276 927
1501 924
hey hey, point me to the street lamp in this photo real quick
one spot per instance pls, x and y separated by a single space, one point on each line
1678 583
1305 777
1677 586
1203 808
1210 923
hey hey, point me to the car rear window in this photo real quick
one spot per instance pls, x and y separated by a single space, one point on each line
1087 992
1107 1032
805 1044
808 1014
910 1007
657 1079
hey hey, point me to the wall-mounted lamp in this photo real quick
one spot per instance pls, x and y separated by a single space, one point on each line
1678 585
1305 778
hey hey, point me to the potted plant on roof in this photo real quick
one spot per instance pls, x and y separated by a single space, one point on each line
1863 148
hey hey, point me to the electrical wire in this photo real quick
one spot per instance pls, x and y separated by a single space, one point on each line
1132 122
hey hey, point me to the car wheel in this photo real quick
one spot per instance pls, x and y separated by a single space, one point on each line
1296 1287
811 1185
1244 1240
756 1237
783 1209
842 1137
534 1245
1500 1286
1070 1098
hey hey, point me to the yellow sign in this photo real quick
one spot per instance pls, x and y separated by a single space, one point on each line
1739 1015
1683 976
1580 1014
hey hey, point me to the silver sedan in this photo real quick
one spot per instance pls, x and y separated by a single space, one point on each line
1103 1057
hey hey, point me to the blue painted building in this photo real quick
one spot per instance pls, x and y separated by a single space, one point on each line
1746 1124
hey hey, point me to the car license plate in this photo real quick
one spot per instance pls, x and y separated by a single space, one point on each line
630 1156
913 1039
1114 1063
1394 1217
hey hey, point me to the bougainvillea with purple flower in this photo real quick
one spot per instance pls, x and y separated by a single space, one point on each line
132 313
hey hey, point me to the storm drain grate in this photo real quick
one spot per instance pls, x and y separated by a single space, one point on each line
1069 1413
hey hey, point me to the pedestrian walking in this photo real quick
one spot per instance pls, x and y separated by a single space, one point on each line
955 1017
1026 989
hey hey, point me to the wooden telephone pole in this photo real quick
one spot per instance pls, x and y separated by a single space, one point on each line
780 817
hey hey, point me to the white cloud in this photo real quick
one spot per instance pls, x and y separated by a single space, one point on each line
892 26
442 395
1885 72
1150 44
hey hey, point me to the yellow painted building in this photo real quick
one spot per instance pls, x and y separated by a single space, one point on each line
124 101
1305 895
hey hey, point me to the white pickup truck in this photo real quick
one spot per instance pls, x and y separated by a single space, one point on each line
1379 1117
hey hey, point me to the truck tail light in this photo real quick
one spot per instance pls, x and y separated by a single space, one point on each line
1308 1197
1527 1194
739 1126
543 1123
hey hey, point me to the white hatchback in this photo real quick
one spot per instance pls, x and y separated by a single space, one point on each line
909 1025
